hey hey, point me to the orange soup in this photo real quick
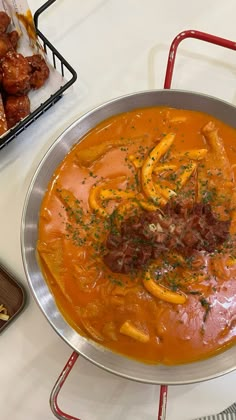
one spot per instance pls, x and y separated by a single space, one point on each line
136 235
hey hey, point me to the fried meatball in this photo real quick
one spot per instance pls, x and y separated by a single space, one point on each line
39 71
15 74
5 45
14 38
3 121
16 108
8 42
4 22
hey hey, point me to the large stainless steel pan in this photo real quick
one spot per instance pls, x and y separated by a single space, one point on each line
156 374
206 369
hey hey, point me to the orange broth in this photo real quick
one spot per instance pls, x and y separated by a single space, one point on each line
94 300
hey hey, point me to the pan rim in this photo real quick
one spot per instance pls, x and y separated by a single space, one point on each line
69 339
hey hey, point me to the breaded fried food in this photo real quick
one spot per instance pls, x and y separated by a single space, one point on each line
39 71
15 74
16 108
4 22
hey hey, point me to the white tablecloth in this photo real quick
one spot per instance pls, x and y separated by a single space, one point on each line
117 47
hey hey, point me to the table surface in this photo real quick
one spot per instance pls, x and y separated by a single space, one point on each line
117 47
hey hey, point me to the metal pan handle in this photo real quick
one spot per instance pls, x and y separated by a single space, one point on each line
58 413
61 415
162 402
202 36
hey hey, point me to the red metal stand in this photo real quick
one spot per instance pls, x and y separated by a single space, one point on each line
57 387
61 415
162 402
167 85
202 36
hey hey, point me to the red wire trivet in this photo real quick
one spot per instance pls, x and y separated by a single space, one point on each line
74 356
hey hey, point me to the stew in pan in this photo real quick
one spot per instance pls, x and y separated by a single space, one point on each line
137 233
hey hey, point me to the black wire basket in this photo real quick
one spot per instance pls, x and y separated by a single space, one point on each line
60 64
